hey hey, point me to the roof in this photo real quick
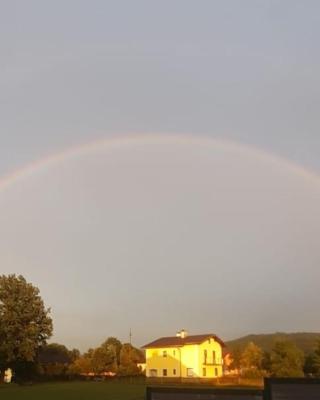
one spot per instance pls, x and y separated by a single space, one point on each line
176 341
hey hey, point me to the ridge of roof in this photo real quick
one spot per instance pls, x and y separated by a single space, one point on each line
176 341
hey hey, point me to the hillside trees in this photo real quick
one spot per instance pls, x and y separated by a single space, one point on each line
235 364
25 323
248 361
305 341
312 362
251 360
286 360
316 359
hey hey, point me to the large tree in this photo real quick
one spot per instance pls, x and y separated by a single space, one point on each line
312 362
235 359
114 345
104 359
25 323
129 358
251 360
252 356
286 360
55 359
55 353
98 360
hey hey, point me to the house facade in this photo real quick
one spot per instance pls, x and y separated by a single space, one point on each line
184 356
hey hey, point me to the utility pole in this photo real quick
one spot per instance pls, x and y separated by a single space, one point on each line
130 336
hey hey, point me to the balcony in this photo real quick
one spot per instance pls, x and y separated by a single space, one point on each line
210 363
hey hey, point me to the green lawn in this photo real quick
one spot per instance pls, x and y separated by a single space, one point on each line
85 391
74 391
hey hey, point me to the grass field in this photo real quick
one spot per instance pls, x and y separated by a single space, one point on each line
74 391
114 390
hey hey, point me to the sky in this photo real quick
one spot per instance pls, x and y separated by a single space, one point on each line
196 206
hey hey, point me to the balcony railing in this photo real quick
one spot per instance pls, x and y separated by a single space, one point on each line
214 362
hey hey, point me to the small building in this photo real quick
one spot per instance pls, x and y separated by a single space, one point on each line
7 375
184 356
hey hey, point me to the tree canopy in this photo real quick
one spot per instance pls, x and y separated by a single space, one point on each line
111 356
25 323
286 360
312 362
251 360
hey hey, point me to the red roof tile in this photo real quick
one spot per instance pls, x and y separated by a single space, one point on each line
176 341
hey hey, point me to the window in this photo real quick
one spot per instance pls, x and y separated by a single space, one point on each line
216 371
164 353
164 372
153 373
205 354
174 353
189 372
214 357
174 372
204 372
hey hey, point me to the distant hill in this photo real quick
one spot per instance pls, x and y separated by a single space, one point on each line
306 341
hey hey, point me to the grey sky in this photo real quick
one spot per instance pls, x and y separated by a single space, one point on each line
76 71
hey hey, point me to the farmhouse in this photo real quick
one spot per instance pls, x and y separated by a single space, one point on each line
184 356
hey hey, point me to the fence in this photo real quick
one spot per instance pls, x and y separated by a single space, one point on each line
274 389
292 389
162 393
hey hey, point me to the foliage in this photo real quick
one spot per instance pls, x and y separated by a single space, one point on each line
25 324
110 356
286 360
305 341
54 353
312 362
266 361
104 359
316 361
101 359
54 359
309 367
114 345
251 361
252 356
81 365
129 357
236 359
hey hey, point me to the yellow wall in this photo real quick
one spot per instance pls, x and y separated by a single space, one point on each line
213 367
156 360
186 357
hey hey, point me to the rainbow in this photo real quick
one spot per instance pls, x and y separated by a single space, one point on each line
115 142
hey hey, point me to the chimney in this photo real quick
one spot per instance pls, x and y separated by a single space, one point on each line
182 334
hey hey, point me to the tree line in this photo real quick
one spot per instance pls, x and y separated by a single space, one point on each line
284 360
110 358
26 326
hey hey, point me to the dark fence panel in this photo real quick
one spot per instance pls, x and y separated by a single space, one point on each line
161 393
292 389
274 389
